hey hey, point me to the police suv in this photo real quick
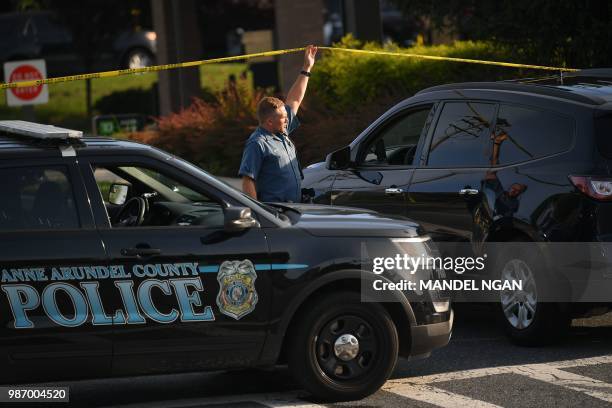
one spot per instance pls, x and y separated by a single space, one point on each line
117 258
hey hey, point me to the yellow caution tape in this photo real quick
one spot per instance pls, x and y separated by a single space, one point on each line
155 68
470 61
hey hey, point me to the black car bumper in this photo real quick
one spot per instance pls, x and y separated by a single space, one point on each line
428 337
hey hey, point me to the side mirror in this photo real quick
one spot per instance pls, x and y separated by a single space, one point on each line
339 160
117 194
239 218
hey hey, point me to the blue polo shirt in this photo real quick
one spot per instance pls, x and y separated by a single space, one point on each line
271 161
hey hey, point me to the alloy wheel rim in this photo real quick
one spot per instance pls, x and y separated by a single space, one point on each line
519 306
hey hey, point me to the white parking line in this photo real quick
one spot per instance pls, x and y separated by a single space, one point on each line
437 396
582 362
590 386
422 389
513 369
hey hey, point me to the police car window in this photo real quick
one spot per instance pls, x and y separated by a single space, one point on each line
37 198
397 143
524 134
461 135
105 179
165 200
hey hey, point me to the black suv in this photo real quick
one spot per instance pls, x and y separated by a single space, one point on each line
481 163
117 258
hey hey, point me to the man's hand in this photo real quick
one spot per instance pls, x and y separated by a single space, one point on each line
297 91
500 137
248 186
309 57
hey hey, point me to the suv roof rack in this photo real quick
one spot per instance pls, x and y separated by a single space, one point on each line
48 134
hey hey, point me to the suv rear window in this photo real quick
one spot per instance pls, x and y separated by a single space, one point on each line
461 135
524 134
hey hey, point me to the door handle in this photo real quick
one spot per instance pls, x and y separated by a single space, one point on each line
140 251
468 191
394 190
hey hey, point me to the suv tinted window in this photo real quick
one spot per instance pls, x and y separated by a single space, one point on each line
37 198
461 135
397 142
524 134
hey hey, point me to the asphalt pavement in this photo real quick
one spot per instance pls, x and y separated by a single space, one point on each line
479 368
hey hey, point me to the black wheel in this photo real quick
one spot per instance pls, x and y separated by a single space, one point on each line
526 318
343 349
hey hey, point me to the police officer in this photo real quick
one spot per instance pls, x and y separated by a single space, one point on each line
269 167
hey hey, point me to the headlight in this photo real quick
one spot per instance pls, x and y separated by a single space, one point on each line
416 248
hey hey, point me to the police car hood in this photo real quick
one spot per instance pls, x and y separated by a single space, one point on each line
327 221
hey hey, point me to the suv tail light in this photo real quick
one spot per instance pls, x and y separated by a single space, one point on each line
599 188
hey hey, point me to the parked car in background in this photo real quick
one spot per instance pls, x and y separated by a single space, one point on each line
42 34
479 163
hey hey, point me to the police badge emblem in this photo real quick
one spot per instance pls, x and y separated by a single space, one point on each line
237 295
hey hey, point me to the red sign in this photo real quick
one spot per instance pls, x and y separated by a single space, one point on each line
26 73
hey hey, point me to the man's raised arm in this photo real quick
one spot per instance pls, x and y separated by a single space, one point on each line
297 91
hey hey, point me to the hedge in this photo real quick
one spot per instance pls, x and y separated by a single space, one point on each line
345 80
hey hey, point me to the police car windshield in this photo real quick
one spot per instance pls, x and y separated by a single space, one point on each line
168 187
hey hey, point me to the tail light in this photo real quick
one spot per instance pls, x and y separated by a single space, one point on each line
599 188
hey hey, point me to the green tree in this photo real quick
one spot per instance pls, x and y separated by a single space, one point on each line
556 32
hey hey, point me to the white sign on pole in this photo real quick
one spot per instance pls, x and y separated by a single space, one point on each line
16 71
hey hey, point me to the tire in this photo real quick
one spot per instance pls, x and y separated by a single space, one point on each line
525 318
330 376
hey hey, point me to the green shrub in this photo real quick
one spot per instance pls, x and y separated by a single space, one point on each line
210 134
135 100
344 80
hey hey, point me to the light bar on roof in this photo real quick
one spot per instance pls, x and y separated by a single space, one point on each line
38 131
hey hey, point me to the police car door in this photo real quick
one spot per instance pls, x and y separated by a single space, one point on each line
190 291
48 328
